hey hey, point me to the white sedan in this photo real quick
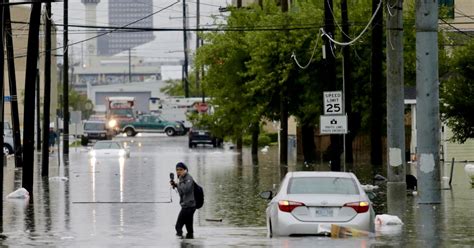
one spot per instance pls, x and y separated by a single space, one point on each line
309 203
109 148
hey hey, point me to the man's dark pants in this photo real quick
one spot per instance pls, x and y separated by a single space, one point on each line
185 217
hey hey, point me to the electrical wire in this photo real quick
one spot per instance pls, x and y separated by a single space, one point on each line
312 54
360 35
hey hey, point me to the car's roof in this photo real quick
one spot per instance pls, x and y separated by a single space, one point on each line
320 174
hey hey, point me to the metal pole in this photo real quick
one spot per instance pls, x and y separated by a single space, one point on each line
13 92
38 111
66 81
451 175
185 45
29 112
198 42
396 165
427 102
129 65
47 93
344 111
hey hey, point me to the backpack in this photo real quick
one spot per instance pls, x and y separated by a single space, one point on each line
198 195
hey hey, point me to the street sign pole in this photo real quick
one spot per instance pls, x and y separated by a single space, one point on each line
334 120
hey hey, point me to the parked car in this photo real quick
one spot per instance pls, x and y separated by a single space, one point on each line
201 135
308 203
150 124
109 149
7 139
96 130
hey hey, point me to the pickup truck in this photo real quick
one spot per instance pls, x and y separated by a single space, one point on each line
151 124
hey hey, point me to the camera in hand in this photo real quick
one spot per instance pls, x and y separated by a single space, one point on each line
171 176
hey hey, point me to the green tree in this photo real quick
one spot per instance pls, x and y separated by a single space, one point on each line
456 94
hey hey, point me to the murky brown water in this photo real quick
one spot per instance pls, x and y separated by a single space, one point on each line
135 207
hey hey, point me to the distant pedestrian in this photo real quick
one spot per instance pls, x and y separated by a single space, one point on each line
52 139
185 188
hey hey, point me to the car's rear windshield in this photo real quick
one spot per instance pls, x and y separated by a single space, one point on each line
94 126
322 185
106 145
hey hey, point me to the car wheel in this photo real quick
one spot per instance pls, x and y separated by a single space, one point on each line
170 131
7 149
214 143
190 145
130 132
84 141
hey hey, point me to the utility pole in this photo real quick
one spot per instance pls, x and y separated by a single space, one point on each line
29 112
185 45
129 65
2 101
198 42
330 78
65 81
346 54
376 77
427 102
38 112
47 93
396 166
284 109
13 92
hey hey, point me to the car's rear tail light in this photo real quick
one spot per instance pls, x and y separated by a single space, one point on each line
359 207
288 206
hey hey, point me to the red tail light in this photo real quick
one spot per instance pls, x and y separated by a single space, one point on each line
288 206
359 207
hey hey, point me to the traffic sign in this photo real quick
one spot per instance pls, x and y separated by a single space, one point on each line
332 102
333 124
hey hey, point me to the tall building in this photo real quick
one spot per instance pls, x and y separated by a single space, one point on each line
121 13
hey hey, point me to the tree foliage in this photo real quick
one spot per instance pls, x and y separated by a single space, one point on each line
456 94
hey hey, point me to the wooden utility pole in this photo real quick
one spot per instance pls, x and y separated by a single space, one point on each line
284 110
2 90
13 92
347 74
65 80
29 111
335 149
376 78
185 46
47 93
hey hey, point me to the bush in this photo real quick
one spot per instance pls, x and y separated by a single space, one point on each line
273 137
263 140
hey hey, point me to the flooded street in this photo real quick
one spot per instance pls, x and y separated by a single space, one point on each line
124 203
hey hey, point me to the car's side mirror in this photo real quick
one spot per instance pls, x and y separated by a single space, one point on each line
267 195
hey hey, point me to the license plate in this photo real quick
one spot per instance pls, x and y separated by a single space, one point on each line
323 212
202 133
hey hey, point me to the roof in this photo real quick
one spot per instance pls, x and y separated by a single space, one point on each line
320 174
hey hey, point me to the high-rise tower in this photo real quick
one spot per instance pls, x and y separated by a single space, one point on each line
122 13
91 20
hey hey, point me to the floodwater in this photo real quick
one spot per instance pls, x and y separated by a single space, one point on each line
122 203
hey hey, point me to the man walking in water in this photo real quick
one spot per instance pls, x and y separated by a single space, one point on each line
185 188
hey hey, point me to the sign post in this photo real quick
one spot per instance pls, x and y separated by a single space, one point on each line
334 120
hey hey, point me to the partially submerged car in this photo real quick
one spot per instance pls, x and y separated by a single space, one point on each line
109 149
201 135
309 203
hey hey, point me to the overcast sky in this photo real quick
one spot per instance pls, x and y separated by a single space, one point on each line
166 44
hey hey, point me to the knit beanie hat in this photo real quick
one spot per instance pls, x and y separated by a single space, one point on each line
181 165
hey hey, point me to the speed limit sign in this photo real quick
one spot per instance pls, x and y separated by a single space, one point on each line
332 102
